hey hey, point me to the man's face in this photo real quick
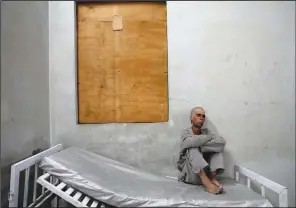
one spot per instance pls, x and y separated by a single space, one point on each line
198 117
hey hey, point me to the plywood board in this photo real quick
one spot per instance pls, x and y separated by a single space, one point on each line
122 66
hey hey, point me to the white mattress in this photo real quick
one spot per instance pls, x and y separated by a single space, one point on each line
117 184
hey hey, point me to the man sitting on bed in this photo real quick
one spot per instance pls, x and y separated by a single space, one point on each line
201 157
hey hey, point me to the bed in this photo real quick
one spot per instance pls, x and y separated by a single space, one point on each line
86 179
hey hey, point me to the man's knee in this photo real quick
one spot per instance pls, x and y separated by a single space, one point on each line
195 155
212 147
196 160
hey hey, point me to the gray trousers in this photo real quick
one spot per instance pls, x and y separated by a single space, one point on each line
196 161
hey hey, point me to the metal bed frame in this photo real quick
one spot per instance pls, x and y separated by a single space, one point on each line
53 188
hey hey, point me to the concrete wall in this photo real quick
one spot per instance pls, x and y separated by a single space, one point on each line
234 58
24 82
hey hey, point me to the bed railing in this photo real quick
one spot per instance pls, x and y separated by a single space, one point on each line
264 182
26 165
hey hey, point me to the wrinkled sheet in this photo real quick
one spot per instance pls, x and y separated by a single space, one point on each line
119 185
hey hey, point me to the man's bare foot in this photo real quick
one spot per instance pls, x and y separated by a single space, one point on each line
209 186
213 189
214 181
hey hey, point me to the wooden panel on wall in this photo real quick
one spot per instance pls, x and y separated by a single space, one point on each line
122 74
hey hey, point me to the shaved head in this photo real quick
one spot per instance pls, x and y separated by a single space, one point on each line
194 110
197 117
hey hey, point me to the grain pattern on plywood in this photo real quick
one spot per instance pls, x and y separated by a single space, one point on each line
141 11
138 108
90 112
141 75
159 11
122 75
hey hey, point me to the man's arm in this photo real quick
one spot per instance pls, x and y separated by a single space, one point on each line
189 140
216 144
215 138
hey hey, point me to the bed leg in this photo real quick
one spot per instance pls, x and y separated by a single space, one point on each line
237 176
283 198
54 202
14 187
35 183
249 182
25 199
263 191
43 189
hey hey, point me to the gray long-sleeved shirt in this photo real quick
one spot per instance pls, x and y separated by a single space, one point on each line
190 140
